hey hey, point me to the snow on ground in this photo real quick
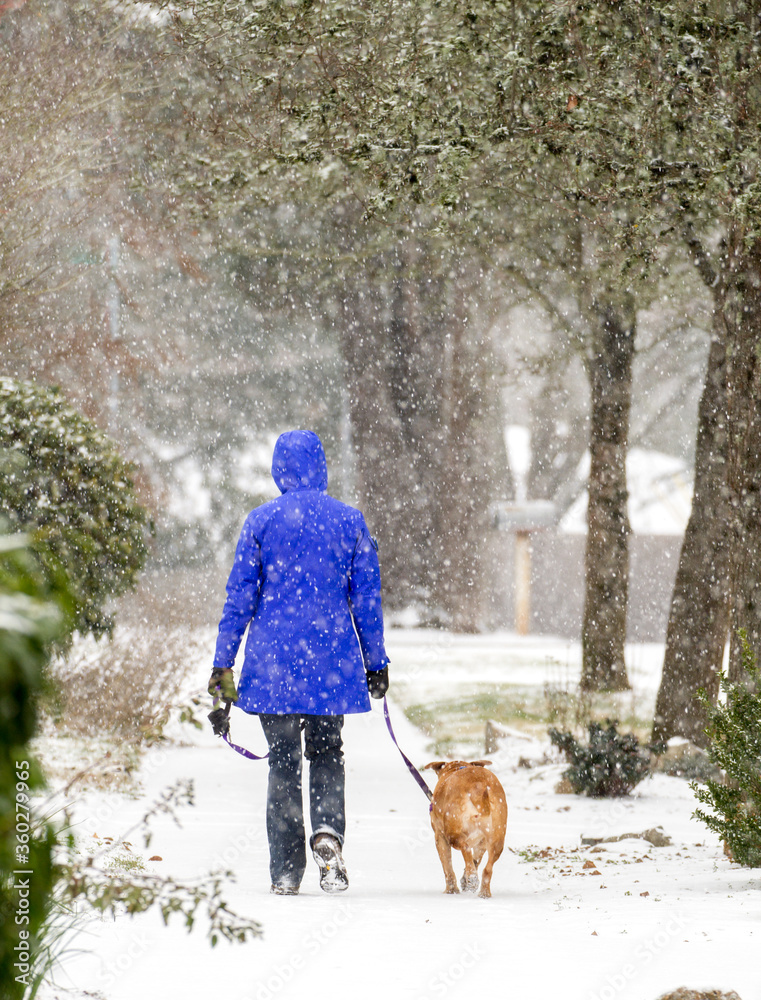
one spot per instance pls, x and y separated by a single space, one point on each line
637 922
435 663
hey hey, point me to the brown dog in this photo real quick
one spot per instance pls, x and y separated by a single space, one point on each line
469 813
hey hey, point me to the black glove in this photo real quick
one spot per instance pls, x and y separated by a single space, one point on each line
222 684
220 721
377 682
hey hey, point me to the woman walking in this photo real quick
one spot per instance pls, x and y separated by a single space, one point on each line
306 583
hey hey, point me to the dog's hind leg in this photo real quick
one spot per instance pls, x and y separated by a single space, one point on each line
469 880
445 855
494 853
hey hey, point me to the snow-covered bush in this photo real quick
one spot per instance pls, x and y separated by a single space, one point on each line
734 731
64 480
611 764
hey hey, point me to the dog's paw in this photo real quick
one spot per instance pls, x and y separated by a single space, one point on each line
451 889
469 884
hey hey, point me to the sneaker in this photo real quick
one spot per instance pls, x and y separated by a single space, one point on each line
327 853
284 889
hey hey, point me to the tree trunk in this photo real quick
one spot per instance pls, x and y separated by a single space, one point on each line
718 585
697 628
382 472
414 344
426 426
475 471
609 369
744 467
429 447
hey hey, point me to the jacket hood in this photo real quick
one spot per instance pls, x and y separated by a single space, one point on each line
298 462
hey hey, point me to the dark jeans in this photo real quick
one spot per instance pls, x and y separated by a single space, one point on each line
285 815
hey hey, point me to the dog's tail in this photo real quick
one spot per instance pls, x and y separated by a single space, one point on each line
479 796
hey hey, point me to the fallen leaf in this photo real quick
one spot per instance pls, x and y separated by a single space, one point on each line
644 893
589 863
156 857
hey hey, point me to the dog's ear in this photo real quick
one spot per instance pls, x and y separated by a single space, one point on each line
435 765
479 763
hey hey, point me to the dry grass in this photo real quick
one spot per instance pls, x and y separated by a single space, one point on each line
125 688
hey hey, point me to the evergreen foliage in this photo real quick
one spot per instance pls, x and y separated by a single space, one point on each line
611 764
63 479
734 732
32 614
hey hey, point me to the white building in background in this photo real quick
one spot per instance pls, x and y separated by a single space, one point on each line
660 495
660 498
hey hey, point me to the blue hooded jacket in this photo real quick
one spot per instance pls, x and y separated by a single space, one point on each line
306 583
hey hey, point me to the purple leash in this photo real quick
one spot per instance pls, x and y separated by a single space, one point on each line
410 766
226 737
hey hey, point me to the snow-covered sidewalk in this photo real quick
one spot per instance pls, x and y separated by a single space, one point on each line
636 923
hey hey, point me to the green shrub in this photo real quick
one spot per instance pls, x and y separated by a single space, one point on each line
32 615
64 480
611 764
734 732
